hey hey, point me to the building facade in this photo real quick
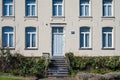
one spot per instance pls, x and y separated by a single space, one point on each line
84 27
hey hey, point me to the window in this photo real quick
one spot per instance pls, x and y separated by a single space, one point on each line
84 37
57 7
84 8
8 37
31 38
107 38
8 8
107 8
31 8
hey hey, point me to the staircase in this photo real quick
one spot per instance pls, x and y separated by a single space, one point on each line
58 67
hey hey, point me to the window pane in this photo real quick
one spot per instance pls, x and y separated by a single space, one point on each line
33 10
5 38
5 10
84 1
8 1
109 40
109 11
54 10
10 10
33 40
30 1
27 40
107 1
104 40
60 10
85 29
28 11
104 11
11 40
87 40
86 10
54 30
81 40
60 30
57 1
81 10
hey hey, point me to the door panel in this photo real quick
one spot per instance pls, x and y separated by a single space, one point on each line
57 41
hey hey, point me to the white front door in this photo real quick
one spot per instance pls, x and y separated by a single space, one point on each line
57 41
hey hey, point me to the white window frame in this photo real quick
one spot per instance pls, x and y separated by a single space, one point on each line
106 40
84 34
57 8
30 5
32 33
8 39
8 8
84 5
107 12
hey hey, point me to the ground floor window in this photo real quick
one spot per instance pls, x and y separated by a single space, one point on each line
84 37
31 38
8 37
107 37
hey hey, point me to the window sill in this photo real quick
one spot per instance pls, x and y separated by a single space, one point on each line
31 48
108 48
8 16
58 17
85 17
85 48
108 17
31 17
8 48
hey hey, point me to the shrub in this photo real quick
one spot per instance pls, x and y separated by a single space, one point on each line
20 65
93 64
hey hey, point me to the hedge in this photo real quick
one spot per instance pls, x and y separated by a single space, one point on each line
17 64
84 63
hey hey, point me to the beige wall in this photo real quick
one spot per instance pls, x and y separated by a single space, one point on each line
70 21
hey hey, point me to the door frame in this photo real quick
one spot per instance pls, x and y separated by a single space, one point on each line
58 25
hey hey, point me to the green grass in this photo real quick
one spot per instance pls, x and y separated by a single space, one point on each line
9 76
4 78
4 74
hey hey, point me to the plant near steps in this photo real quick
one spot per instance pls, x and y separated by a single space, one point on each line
93 64
17 64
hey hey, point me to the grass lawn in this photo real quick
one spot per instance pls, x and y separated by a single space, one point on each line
4 78
9 76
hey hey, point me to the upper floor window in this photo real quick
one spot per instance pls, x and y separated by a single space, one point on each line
31 8
8 37
84 7
107 37
57 8
8 9
31 38
84 37
107 8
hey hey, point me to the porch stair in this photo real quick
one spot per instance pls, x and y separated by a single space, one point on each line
58 67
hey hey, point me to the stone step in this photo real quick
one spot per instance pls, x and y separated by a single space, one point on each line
58 75
58 72
59 61
58 67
